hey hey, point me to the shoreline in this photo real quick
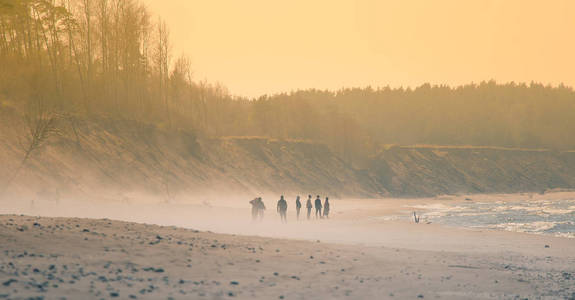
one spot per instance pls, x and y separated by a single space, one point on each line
103 258
232 215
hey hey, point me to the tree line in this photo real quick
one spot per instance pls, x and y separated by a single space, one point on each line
97 58
113 59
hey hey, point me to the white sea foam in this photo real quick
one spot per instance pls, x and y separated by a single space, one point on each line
565 234
552 211
434 206
553 217
525 227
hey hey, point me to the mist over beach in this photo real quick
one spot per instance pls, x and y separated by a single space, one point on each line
261 150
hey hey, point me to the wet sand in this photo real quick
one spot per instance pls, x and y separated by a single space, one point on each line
77 258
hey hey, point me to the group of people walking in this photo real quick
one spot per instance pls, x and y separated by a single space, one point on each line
258 208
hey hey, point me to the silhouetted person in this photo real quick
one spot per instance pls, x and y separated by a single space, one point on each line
415 217
326 208
261 208
317 207
297 206
309 206
255 208
282 208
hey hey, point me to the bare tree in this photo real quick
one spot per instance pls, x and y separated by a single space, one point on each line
163 63
41 125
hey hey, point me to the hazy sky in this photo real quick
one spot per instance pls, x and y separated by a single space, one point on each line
266 46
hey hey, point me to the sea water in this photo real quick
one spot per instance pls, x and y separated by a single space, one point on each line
554 217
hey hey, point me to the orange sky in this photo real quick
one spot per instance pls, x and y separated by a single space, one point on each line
265 46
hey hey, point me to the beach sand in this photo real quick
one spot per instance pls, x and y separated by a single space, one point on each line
354 255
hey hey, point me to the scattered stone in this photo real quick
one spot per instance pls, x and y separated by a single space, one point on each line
152 269
9 282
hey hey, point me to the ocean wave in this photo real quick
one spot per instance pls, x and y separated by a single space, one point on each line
552 217
524 227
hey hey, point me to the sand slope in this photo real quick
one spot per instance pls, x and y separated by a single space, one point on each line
93 259
103 156
434 170
107 157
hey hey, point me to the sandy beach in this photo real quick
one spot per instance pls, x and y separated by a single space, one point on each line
351 256
159 149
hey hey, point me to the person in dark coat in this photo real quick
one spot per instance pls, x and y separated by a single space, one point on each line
317 207
261 208
255 208
282 209
297 206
